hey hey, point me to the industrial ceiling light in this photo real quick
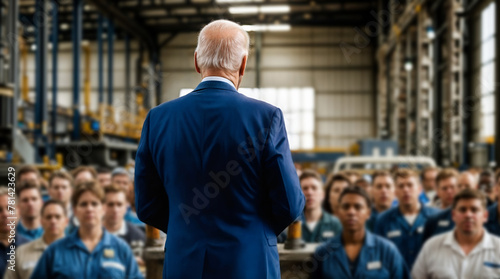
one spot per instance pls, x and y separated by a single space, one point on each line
267 27
244 10
33 47
408 64
239 1
275 9
263 9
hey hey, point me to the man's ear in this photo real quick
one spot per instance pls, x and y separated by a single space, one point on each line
243 65
196 64
486 215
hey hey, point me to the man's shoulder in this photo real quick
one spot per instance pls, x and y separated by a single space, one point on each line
236 99
30 245
435 217
384 244
436 241
388 215
134 232
494 239
430 211
330 219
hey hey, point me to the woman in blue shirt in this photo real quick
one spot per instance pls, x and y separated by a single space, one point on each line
89 252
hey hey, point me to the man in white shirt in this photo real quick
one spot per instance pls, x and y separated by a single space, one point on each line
468 251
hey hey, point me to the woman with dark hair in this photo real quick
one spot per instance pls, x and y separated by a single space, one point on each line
90 251
334 186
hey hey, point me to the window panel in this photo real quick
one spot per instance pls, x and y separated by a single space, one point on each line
484 76
488 104
487 22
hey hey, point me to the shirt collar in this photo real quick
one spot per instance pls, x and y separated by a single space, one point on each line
121 231
74 240
486 242
24 230
39 244
217 78
336 242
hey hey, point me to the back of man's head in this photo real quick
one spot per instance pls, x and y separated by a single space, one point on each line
222 44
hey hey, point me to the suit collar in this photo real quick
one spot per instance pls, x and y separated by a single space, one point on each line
214 85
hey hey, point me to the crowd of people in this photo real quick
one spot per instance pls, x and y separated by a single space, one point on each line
438 223
72 225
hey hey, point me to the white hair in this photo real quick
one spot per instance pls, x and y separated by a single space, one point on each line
219 51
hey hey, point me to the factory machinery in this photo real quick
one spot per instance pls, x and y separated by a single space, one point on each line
41 132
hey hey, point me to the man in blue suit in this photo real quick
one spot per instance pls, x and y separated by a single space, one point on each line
214 170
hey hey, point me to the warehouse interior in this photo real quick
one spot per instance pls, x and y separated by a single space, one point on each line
418 73
376 78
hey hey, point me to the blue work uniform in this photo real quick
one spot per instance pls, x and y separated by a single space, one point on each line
4 257
423 199
29 234
327 227
370 224
438 223
69 258
493 223
409 239
378 259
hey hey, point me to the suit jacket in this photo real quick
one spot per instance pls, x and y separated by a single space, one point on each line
214 171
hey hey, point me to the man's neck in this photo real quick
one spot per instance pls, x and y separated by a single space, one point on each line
30 223
92 233
381 207
49 238
233 77
410 209
353 237
313 215
429 190
468 242
113 227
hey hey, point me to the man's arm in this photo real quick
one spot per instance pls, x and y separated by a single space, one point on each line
280 176
151 200
43 268
399 269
